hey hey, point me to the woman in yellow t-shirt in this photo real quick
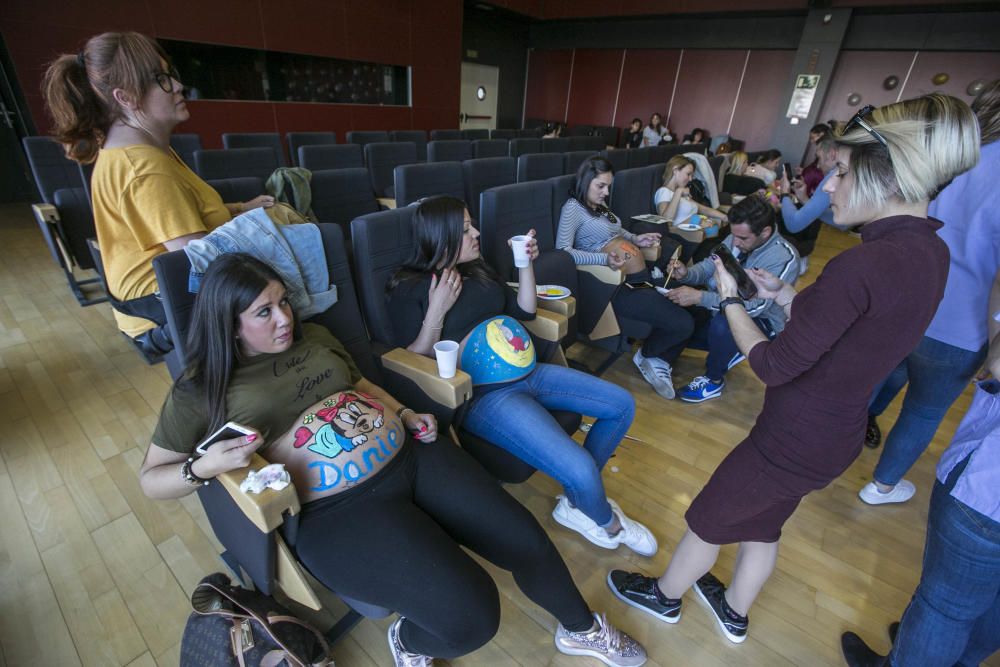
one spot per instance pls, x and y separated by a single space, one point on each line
117 101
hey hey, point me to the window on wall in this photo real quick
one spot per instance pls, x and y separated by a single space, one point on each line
212 72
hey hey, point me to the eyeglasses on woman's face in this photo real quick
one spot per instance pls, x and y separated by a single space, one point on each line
169 81
859 120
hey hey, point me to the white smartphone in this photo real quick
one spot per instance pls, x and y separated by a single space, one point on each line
227 431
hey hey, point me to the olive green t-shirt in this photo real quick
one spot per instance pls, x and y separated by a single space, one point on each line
269 392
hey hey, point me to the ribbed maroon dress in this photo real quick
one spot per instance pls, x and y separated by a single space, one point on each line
848 331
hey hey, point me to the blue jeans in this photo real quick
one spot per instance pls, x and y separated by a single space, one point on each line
954 616
516 418
712 333
938 373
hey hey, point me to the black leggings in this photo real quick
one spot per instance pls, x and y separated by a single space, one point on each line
672 325
394 542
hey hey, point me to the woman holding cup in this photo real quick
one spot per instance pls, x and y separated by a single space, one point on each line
446 292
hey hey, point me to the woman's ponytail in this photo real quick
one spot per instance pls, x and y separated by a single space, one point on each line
80 118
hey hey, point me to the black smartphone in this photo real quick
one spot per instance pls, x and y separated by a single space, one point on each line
744 285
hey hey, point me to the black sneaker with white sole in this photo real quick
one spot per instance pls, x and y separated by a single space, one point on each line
642 593
713 593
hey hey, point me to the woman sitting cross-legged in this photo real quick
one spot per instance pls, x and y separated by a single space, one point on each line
446 291
386 506
592 234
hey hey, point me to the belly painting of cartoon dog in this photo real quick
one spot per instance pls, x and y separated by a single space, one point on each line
348 421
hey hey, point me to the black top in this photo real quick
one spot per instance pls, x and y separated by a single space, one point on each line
633 139
742 185
478 301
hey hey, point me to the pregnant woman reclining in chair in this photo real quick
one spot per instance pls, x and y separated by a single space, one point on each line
447 291
386 506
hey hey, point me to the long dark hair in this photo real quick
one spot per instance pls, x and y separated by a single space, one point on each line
659 126
78 88
438 228
231 284
588 170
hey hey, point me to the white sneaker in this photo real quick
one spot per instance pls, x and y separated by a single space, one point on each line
803 266
633 534
402 657
900 493
656 372
605 642
572 518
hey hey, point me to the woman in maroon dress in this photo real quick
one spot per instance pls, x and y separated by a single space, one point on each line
845 333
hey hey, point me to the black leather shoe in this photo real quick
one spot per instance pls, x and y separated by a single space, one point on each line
857 653
873 435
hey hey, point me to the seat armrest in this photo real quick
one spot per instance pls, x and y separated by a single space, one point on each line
265 509
547 326
565 307
387 203
45 213
603 273
449 392
652 253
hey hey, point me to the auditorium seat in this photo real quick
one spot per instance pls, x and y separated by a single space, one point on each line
555 145
298 139
592 144
573 160
340 195
472 135
185 145
238 189
270 140
483 174
417 137
445 135
523 145
235 162
362 137
416 181
382 158
539 166
340 156
618 157
449 150
632 191
489 148
503 134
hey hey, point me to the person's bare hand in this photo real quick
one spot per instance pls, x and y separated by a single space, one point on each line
531 246
616 261
443 293
799 188
647 240
262 201
422 426
685 296
724 280
226 455
677 269
768 284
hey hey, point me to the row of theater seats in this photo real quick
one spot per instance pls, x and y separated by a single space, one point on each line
186 144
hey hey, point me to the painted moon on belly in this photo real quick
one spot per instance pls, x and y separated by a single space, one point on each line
513 346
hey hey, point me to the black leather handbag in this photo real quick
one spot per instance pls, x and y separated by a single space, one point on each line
236 627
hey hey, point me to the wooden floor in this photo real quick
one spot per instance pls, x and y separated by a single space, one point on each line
94 573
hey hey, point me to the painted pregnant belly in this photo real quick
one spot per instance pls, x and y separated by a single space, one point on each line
338 443
497 350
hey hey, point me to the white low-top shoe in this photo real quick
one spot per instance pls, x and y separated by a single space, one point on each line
633 534
900 493
571 517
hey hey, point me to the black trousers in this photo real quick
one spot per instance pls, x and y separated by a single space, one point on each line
672 325
396 542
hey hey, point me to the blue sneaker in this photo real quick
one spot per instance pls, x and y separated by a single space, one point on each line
701 389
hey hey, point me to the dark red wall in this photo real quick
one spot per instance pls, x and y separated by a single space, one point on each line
548 84
595 83
423 34
647 84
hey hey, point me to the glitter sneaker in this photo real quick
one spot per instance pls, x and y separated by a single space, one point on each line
605 642
400 655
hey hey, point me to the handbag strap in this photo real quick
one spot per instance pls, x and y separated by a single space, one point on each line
280 618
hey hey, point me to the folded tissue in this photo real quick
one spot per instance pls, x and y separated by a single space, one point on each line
273 476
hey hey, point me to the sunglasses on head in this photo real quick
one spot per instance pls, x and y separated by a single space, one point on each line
859 120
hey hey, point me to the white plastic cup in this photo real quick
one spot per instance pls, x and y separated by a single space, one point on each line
519 244
446 352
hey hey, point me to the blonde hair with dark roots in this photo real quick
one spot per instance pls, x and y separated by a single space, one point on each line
986 106
931 139
676 162
738 161
78 88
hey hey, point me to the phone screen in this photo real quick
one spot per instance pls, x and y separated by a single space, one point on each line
228 431
744 285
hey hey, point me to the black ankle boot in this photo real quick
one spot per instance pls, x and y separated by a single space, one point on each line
857 653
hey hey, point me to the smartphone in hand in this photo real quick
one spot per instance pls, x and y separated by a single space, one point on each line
227 431
744 285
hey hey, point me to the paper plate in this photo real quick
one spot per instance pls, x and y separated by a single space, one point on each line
551 292
689 227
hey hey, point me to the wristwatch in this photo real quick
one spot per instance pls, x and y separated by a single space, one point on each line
729 301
